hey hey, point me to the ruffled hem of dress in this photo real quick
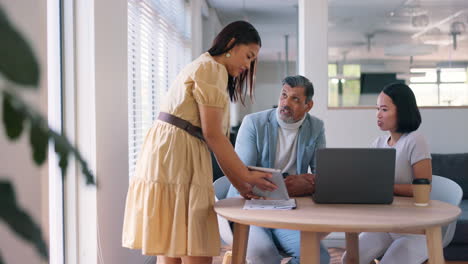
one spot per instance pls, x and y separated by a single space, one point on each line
170 219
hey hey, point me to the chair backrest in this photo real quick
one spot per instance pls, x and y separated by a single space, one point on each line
446 190
221 188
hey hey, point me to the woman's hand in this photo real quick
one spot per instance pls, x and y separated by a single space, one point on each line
245 190
261 180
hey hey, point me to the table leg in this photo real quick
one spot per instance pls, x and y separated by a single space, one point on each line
310 248
352 248
434 245
239 245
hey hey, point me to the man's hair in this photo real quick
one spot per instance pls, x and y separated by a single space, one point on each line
300 81
408 116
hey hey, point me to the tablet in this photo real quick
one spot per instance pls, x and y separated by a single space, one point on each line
277 178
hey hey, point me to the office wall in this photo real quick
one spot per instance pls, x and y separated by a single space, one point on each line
268 83
445 129
16 165
111 102
211 27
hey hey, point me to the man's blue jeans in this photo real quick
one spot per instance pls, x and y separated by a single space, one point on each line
270 246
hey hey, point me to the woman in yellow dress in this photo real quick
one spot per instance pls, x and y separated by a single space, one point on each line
169 208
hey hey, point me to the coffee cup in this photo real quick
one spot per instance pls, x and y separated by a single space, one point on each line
421 191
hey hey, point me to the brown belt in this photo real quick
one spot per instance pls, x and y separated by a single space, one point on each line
182 124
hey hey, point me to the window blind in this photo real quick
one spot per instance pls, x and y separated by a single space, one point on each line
158 47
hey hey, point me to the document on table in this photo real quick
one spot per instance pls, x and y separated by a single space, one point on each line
255 204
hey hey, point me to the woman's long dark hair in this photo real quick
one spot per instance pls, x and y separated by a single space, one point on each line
243 33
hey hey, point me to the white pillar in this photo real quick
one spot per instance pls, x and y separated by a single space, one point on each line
54 117
86 210
197 32
313 50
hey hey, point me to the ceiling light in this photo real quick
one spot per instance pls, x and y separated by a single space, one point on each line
412 10
410 50
420 21
410 75
439 23
456 28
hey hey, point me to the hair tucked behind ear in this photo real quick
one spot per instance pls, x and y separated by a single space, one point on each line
243 33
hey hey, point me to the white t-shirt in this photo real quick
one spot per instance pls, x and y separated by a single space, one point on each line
286 145
410 148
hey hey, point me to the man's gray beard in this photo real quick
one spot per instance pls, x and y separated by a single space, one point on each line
288 120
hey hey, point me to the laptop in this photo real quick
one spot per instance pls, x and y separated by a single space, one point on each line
354 176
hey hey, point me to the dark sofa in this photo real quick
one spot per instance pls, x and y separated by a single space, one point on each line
455 167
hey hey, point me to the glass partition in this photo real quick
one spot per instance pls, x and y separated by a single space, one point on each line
421 43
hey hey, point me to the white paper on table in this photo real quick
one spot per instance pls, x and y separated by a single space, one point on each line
255 204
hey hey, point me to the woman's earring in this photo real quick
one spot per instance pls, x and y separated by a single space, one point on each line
228 55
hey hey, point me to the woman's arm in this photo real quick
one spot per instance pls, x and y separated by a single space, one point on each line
421 169
232 166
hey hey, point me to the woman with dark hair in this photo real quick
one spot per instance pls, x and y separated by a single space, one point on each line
169 208
398 113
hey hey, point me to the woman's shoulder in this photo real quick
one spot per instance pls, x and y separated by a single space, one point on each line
415 136
415 140
206 64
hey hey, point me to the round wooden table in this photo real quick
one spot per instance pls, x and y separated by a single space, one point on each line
312 219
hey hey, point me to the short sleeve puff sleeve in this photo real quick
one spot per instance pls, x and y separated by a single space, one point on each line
210 84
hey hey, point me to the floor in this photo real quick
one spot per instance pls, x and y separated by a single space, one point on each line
335 254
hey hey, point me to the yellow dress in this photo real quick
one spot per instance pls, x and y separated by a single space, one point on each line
169 207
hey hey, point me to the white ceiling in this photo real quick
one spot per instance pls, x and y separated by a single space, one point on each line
387 22
272 18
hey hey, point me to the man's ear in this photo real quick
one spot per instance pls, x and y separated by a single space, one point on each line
310 104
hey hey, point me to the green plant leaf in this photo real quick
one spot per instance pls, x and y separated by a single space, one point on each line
1 259
40 134
39 139
19 220
62 149
13 118
17 60
84 168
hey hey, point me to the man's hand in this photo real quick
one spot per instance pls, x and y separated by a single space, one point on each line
300 185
